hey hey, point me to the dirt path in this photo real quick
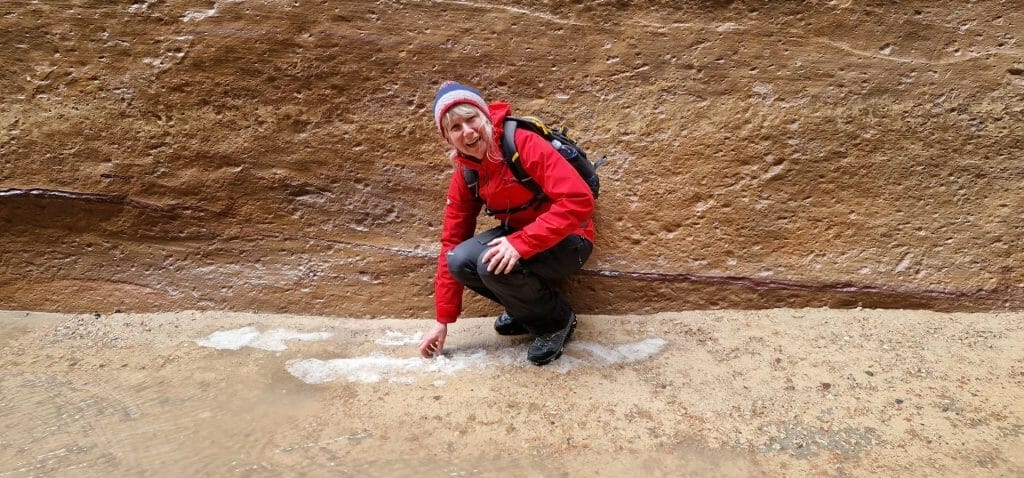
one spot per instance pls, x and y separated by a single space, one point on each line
722 393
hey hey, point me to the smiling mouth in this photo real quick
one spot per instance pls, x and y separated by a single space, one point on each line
474 142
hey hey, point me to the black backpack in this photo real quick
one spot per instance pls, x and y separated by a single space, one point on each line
559 139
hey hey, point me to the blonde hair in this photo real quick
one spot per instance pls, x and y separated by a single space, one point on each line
466 111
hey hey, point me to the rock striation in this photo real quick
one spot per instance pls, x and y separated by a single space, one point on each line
280 155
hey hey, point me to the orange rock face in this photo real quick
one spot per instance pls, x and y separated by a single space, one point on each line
281 155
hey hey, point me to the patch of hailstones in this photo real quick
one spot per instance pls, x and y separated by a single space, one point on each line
378 367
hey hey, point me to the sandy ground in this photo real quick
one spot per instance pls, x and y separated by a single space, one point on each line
785 392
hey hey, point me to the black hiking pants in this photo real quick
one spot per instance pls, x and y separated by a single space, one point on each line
528 291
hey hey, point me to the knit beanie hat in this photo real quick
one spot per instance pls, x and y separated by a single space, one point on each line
450 94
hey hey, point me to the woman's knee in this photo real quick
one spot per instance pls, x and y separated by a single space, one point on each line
463 259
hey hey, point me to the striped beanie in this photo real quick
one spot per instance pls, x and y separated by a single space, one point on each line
450 94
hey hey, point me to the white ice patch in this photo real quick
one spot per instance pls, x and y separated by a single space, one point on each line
230 339
625 353
379 367
397 339
272 340
565 363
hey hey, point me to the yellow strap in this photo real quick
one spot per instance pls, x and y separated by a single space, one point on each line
539 124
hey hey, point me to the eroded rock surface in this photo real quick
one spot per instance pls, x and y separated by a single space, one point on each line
281 156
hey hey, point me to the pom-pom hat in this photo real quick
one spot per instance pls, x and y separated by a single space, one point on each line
450 94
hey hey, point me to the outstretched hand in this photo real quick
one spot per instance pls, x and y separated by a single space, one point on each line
433 343
501 257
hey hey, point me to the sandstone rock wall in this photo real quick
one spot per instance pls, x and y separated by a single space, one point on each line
280 155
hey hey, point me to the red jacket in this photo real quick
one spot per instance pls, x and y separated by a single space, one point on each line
566 211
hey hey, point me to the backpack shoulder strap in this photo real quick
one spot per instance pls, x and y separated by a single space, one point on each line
511 155
472 181
508 140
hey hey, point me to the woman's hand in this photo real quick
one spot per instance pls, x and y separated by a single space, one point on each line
433 343
501 257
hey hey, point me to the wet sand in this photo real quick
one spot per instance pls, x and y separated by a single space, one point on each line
785 392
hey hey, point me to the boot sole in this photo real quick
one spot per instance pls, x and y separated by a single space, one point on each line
572 328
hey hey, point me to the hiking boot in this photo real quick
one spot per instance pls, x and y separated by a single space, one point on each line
506 325
548 347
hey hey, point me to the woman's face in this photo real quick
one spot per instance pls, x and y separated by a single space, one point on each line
467 134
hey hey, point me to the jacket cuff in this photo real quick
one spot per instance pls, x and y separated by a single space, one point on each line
516 239
447 315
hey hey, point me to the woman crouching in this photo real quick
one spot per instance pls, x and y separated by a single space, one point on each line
541 239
